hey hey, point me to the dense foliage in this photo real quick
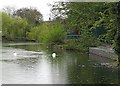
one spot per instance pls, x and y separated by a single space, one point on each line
33 16
48 33
98 19
14 28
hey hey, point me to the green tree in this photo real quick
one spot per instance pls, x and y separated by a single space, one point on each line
6 23
59 10
88 17
52 33
34 33
47 33
14 28
33 16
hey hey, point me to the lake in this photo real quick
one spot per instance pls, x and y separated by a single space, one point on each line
35 65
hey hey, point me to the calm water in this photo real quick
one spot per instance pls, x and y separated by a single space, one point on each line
35 65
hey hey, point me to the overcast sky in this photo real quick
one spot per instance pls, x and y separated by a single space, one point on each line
41 5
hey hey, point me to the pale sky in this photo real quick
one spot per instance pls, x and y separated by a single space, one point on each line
41 5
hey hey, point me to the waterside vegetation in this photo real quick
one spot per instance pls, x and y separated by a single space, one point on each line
93 23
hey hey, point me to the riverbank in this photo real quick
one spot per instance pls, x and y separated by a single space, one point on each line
102 51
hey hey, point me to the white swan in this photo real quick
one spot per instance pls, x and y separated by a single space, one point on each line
15 54
53 55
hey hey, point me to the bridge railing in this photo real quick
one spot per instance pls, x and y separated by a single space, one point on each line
72 36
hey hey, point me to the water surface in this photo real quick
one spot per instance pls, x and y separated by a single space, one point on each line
35 65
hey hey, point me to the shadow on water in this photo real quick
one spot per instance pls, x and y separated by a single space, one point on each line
69 67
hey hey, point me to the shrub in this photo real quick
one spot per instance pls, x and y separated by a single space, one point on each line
52 33
88 40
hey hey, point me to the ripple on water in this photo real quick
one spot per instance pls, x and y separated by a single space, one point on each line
8 54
